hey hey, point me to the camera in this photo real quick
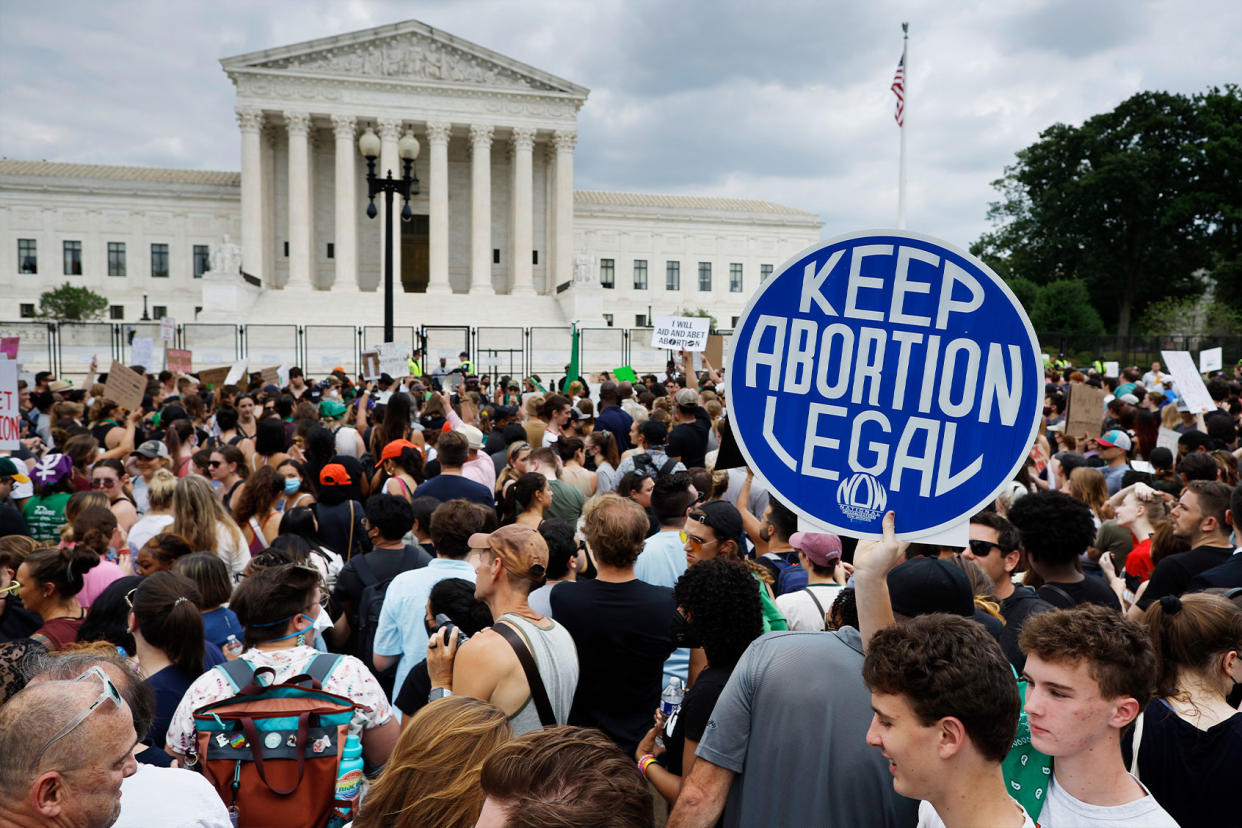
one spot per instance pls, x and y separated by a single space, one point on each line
444 622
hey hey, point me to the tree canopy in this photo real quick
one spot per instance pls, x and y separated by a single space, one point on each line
1135 205
72 303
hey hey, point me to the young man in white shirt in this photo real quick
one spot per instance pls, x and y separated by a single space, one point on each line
1089 672
946 712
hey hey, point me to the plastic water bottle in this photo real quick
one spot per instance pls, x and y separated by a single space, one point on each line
349 777
232 646
671 698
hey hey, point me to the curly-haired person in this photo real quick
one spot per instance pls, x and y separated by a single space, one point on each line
718 610
1056 530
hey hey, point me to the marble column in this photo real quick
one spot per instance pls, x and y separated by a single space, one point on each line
268 137
564 265
346 229
549 219
298 126
251 122
438 214
521 220
390 133
481 209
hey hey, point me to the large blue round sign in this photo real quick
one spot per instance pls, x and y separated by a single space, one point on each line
885 370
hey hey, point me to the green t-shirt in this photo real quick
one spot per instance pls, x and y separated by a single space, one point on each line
773 621
44 516
567 502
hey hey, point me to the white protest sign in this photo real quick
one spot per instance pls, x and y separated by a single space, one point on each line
282 374
1167 438
1112 369
236 372
168 328
1187 381
885 370
681 333
10 415
393 359
140 351
1211 359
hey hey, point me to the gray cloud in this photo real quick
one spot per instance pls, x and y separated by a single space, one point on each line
787 102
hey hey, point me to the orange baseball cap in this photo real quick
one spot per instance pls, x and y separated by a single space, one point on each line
522 550
393 450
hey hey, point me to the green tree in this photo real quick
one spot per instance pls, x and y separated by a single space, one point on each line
72 303
1132 203
1191 317
1064 306
701 313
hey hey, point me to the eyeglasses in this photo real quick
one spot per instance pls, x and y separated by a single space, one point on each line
214 464
103 482
982 548
12 589
695 543
108 693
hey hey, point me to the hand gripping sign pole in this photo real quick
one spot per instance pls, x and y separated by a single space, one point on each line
885 370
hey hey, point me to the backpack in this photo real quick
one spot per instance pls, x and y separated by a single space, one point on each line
645 463
367 619
272 751
791 576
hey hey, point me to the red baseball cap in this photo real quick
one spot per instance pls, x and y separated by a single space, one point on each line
334 474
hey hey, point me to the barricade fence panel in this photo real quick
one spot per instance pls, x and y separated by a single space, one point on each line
500 351
549 352
79 342
327 346
36 344
600 349
210 345
271 345
444 342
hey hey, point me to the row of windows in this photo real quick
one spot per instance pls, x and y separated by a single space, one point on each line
115 312
672 275
28 258
641 321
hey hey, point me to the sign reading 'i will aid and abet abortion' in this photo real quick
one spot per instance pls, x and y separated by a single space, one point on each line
885 370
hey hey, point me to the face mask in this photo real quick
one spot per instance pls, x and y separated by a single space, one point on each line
683 634
334 394
292 484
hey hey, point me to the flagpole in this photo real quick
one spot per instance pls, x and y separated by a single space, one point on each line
901 167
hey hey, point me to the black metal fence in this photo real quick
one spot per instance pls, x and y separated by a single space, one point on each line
67 347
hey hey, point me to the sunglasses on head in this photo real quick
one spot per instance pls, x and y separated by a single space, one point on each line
108 693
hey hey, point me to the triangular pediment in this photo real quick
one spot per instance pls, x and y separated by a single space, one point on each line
409 51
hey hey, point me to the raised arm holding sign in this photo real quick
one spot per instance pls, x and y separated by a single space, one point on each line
885 371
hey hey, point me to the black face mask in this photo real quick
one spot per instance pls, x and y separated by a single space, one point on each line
683 634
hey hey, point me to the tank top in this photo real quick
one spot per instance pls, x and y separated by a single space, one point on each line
557 660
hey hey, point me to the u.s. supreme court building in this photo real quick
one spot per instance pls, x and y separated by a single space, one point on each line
499 235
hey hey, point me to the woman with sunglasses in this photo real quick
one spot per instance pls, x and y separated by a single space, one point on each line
518 464
168 640
718 610
49 581
228 471
109 477
278 606
16 621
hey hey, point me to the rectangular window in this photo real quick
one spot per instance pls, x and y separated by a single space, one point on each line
608 273
73 258
159 311
331 250
159 261
534 257
116 258
705 277
286 250
735 277
640 320
608 319
27 310
640 274
672 276
202 260
495 255
116 312
27 256
765 272
734 325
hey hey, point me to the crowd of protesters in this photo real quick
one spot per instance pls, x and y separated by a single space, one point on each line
571 603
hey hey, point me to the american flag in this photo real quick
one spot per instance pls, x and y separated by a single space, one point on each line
899 89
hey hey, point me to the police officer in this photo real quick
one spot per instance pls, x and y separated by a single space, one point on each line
416 363
465 366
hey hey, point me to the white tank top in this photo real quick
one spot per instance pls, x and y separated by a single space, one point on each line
557 660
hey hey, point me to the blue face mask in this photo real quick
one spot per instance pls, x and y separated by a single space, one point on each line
292 484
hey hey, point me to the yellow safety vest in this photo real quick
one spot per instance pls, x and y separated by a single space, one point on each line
416 368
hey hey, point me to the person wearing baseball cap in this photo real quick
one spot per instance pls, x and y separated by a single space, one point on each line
687 441
508 565
11 520
714 529
478 466
1114 451
402 463
820 555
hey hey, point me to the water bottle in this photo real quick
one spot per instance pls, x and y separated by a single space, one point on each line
348 778
232 646
671 698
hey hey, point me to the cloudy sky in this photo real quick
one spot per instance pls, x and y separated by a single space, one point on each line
789 102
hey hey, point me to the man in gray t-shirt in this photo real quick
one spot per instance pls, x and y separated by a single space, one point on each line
786 742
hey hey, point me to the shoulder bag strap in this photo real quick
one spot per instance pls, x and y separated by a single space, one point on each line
321 666
238 672
349 548
537 692
818 605
258 532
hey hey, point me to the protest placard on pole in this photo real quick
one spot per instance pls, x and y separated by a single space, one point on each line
394 359
370 364
9 346
168 328
881 371
686 333
10 413
179 360
1187 382
125 387
1211 359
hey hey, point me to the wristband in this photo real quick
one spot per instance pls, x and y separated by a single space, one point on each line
646 762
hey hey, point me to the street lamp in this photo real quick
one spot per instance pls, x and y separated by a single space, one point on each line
407 185
146 317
